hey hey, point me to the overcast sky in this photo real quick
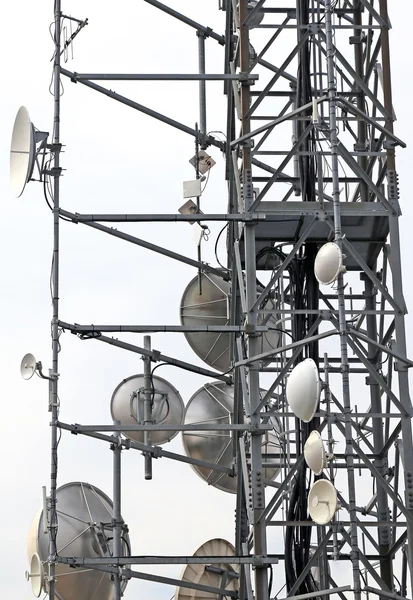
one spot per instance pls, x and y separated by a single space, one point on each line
117 160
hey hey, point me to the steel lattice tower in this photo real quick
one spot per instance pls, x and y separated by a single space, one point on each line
310 159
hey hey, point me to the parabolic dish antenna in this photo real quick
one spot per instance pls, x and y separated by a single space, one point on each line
198 573
258 17
328 263
127 407
214 404
303 390
212 308
36 575
314 453
85 530
22 152
322 501
27 366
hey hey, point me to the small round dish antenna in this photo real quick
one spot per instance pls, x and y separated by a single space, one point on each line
224 575
28 366
314 453
167 407
36 575
22 152
322 501
214 404
211 308
303 390
85 530
328 263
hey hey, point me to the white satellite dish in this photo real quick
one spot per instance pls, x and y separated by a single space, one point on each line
322 501
314 453
328 263
85 530
36 575
214 404
28 366
22 152
303 390
197 573
167 407
212 308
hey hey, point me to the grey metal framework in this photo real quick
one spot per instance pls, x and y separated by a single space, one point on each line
311 125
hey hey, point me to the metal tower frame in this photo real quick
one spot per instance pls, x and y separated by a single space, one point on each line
336 181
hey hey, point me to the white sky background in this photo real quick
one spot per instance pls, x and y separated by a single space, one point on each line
117 160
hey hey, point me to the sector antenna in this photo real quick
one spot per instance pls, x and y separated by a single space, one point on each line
288 344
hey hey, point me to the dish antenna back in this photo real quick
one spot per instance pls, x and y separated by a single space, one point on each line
223 575
211 307
167 409
303 390
85 517
322 501
214 404
23 150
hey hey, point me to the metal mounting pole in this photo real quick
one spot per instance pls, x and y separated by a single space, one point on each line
117 505
55 303
148 394
338 238
202 86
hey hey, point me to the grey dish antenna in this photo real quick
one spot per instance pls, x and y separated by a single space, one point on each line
303 390
221 576
211 308
328 263
23 151
322 501
36 575
214 404
28 366
85 529
167 407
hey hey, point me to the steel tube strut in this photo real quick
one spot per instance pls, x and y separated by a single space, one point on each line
338 237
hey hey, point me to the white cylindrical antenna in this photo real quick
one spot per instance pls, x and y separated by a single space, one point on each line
45 509
315 111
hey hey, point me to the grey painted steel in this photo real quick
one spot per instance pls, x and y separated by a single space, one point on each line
128 406
213 404
211 308
85 529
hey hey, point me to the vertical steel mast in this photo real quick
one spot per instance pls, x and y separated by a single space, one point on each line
309 161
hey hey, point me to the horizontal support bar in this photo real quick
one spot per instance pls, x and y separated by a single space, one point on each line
76 428
337 590
340 523
75 328
170 560
143 218
164 76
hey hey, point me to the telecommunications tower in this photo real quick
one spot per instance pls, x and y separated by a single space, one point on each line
310 299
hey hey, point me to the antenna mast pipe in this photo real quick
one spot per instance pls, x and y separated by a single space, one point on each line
55 302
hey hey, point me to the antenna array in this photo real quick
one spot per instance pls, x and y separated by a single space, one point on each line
312 202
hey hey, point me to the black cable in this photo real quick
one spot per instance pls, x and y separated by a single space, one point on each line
216 247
